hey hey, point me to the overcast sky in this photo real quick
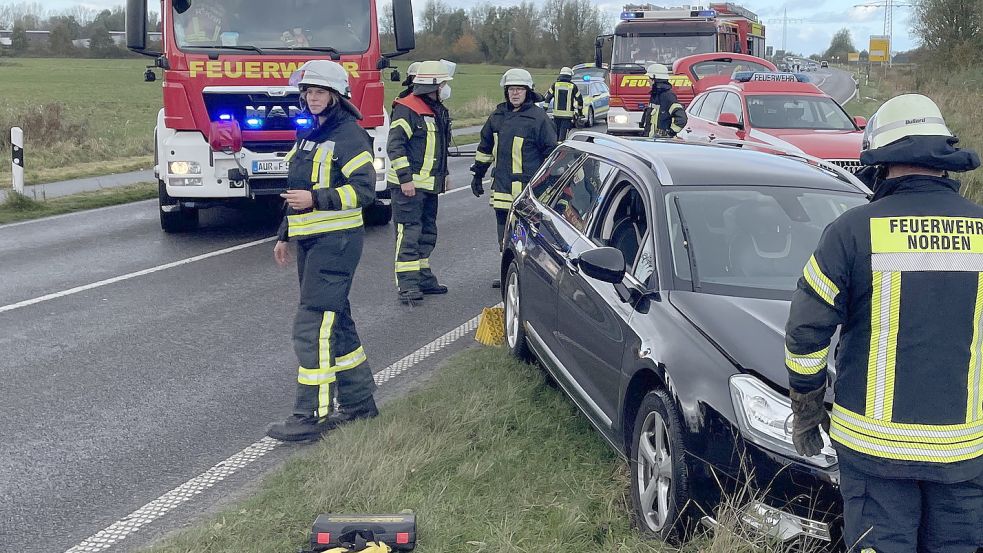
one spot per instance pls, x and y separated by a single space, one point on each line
815 20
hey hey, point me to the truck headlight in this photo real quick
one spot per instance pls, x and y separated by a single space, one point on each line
621 119
380 164
765 418
184 168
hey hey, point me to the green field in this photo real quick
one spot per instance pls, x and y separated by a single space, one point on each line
91 117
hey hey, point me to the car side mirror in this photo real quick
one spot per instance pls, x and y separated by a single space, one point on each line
860 121
729 120
605 264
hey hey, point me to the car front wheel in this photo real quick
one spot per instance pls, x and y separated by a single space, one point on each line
590 118
515 332
659 475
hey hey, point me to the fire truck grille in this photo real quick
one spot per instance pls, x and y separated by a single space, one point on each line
254 111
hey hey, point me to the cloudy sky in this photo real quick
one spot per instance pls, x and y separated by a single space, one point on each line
815 21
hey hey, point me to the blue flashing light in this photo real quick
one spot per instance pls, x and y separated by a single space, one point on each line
254 122
707 13
587 78
225 117
303 122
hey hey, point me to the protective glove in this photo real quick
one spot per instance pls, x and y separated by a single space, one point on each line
476 188
810 413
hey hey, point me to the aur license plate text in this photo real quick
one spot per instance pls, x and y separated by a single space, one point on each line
269 166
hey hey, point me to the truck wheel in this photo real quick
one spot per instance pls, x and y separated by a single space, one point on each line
377 214
178 220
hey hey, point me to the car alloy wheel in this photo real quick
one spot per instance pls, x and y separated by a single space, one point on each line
590 118
660 477
515 334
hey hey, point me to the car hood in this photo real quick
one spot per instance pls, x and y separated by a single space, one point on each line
750 331
818 143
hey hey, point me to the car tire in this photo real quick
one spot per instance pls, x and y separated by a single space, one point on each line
660 487
590 119
378 214
515 332
182 219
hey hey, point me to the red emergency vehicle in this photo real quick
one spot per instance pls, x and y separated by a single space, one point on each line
650 34
229 115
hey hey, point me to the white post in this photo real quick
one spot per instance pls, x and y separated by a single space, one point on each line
17 158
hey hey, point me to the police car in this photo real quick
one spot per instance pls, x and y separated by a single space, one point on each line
596 99
777 109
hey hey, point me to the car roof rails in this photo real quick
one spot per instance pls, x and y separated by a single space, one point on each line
837 171
648 157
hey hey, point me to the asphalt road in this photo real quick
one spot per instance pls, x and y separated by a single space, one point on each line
117 394
835 82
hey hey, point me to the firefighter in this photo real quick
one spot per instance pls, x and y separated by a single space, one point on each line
664 116
517 137
331 177
408 81
902 278
568 103
419 138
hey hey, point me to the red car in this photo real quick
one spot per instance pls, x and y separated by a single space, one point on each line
780 110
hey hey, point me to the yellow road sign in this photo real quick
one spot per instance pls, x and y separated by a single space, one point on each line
880 48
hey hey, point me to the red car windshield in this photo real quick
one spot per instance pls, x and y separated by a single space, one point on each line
782 111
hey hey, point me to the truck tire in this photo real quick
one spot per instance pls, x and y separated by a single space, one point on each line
377 214
179 220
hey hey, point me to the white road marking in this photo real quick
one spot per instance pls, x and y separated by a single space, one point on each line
135 274
131 523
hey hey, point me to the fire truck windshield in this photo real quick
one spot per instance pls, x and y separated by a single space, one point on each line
645 49
340 25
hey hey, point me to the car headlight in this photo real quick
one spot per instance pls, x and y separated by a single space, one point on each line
379 163
184 168
765 418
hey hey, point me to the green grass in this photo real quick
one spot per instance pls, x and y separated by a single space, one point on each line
108 113
17 207
870 95
488 456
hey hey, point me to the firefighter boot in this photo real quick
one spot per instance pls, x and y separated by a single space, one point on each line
298 428
345 414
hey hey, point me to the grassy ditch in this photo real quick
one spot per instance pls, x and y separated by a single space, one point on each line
489 456
17 207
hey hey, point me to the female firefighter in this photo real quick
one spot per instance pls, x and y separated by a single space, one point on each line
331 177
517 137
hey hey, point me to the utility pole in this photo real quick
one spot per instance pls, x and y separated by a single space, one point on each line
888 6
785 21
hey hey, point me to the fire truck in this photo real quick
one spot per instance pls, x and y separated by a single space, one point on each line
649 34
230 116
750 31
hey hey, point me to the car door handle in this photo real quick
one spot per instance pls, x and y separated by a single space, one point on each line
572 263
711 136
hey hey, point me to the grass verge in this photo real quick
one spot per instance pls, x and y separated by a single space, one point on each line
489 457
17 207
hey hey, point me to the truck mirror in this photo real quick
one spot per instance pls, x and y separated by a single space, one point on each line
136 24
181 6
403 25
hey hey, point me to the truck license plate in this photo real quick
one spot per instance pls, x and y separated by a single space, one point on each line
269 166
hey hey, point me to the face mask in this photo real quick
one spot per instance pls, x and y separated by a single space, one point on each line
445 92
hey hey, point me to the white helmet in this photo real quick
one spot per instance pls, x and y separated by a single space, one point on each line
566 72
517 77
658 71
903 116
432 73
324 74
411 70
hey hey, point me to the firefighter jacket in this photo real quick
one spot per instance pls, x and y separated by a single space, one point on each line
334 161
903 279
517 141
419 138
566 97
664 116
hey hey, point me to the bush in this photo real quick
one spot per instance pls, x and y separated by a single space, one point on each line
44 125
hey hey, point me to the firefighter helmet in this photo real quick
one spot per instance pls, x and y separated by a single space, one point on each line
323 74
903 116
517 77
566 72
658 71
411 70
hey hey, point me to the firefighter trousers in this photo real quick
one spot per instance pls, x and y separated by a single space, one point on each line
501 217
416 236
905 515
332 361
563 126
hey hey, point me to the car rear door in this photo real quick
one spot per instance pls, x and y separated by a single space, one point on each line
703 126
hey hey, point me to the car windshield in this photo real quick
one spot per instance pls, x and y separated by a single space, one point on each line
782 111
749 242
710 68
291 24
643 50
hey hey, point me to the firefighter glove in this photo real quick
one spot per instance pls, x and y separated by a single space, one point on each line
476 188
809 414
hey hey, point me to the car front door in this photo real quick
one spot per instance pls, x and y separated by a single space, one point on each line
731 105
593 316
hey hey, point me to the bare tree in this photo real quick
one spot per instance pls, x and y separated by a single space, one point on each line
82 14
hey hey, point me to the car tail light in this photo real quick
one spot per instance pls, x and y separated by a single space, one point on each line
225 136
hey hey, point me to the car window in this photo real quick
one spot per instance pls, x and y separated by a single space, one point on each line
732 104
624 224
712 105
709 68
584 88
544 181
749 242
694 108
576 198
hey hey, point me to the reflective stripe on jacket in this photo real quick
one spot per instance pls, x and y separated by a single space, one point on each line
418 145
903 277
